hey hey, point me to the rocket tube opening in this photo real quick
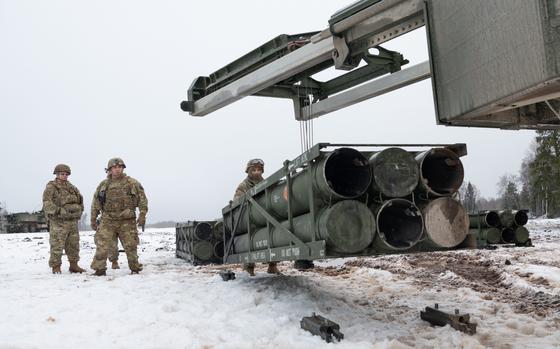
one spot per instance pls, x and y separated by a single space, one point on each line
399 223
347 173
218 230
508 235
203 231
219 249
520 218
492 218
441 170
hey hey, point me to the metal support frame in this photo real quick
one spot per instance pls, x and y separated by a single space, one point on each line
234 224
344 44
369 90
311 250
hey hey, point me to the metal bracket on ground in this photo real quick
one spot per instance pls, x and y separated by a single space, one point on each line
323 327
227 275
459 321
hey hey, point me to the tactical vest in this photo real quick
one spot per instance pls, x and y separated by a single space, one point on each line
66 194
118 196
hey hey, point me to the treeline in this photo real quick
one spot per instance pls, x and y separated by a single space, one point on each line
536 187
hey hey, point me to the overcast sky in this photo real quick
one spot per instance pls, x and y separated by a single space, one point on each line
84 81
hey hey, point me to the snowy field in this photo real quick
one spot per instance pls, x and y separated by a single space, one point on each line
376 301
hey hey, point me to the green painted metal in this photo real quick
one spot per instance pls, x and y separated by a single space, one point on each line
347 227
486 219
313 250
395 172
195 242
507 218
218 229
262 55
341 174
490 235
203 250
480 76
441 172
399 225
350 10
521 235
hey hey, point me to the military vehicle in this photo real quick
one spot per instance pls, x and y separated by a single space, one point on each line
331 203
24 222
480 75
3 219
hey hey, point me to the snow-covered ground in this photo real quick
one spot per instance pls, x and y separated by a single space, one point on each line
376 301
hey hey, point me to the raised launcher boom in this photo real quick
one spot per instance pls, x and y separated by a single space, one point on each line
322 205
480 76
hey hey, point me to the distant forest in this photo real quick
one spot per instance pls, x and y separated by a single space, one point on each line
536 187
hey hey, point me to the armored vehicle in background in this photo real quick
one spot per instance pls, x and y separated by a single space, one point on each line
24 222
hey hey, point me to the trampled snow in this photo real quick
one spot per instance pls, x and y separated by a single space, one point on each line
375 300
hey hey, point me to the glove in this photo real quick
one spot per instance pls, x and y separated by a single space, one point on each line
73 208
141 220
62 213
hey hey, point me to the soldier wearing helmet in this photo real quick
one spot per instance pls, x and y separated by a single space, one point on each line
116 199
254 170
63 205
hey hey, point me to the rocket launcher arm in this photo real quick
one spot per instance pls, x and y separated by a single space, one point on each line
284 66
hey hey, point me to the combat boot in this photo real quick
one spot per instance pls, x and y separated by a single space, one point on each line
115 265
273 269
136 269
56 269
249 268
100 272
75 268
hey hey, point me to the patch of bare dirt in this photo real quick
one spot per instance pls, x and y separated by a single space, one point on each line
474 271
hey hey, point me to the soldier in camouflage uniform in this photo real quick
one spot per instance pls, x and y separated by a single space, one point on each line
63 206
117 198
254 170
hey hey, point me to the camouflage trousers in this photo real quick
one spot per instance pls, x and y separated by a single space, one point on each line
113 248
63 235
106 237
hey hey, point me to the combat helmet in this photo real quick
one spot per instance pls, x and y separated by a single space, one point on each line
114 162
61 168
254 163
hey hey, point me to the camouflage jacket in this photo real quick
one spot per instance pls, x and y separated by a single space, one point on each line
244 187
118 199
62 201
